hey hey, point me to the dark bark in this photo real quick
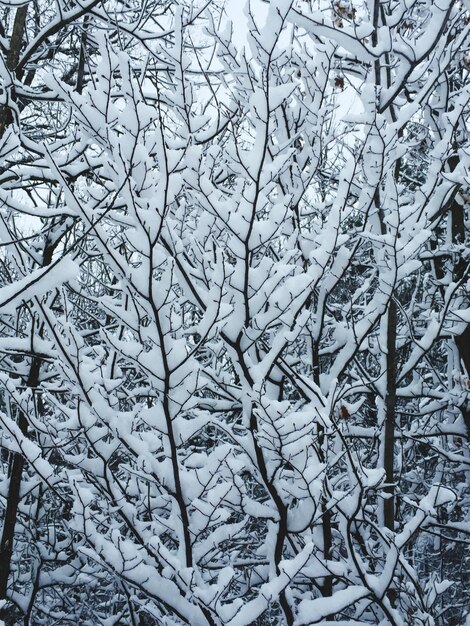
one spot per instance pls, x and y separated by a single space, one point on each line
16 42
14 493
327 587
82 58
390 403
383 76
17 462
457 216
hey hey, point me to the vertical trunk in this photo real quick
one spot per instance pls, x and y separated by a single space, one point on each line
14 494
16 41
82 57
17 464
390 394
327 587
457 216
383 76
17 461
463 341
390 403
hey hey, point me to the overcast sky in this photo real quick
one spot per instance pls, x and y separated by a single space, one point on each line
235 10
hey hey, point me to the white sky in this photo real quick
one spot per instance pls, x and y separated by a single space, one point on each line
236 12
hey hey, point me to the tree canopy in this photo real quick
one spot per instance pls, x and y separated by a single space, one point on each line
234 313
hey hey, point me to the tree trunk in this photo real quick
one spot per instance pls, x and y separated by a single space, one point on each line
16 41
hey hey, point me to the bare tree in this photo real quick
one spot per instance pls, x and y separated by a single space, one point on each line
230 313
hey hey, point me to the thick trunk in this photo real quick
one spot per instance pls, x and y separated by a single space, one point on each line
327 587
14 494
390 405
457 215
17 464
383 77
13 56
17 461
